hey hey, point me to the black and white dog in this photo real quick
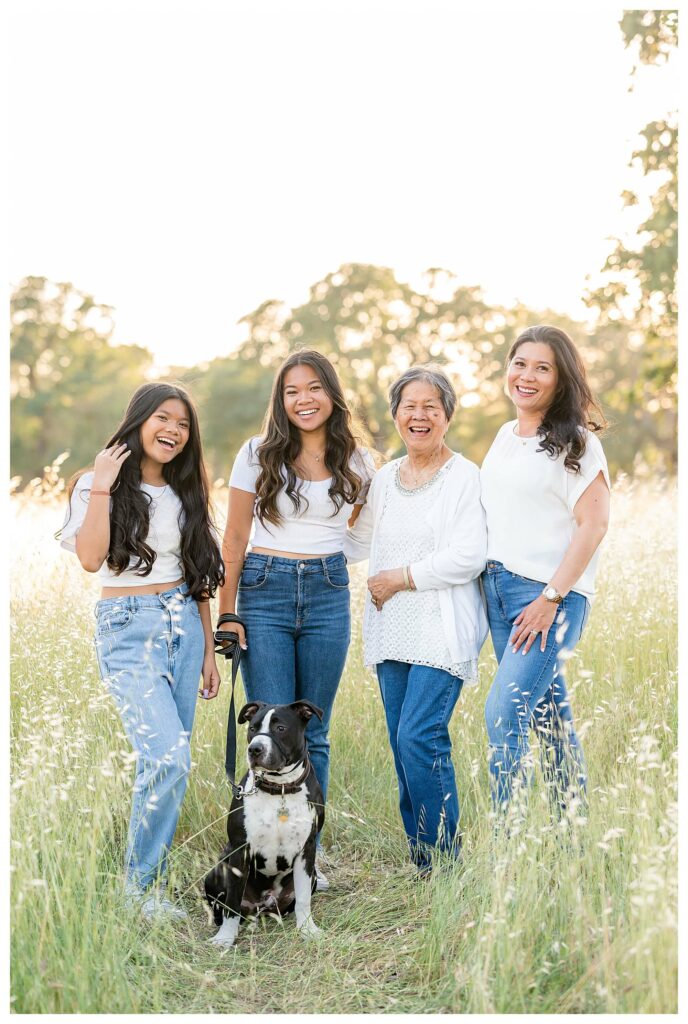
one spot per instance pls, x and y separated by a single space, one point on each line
269 862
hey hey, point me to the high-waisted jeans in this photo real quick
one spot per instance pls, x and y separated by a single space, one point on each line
297 619
419 701
150 653
530 691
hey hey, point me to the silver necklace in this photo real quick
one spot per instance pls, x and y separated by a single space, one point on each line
427 483
304 451
524 440
415 480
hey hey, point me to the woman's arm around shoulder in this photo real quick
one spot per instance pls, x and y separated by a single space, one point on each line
359 536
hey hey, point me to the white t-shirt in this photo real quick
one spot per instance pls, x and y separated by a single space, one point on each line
529 499
317 529
164 535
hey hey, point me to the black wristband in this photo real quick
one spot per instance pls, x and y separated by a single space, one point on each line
228 617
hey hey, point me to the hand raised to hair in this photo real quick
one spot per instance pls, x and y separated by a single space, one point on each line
107 465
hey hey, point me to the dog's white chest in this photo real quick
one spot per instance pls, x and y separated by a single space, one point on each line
277 826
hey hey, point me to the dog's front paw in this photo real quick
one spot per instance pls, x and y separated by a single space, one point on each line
227 934
309 930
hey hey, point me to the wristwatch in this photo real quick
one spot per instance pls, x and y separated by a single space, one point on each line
551 593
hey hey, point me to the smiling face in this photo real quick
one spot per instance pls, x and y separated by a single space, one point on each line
421 420
306 403
532 378
165 433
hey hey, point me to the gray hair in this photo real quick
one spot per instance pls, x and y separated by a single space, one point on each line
429 374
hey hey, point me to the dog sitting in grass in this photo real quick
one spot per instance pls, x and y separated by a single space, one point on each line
268 864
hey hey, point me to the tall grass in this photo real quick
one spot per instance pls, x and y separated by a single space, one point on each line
544 921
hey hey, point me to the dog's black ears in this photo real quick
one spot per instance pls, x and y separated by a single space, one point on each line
306 710
249 710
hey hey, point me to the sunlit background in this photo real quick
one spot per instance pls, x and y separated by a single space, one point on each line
197 188
186 163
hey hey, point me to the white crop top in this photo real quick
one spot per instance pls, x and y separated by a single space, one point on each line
317 529
164 535
529 499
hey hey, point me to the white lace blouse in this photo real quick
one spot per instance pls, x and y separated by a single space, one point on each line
409 628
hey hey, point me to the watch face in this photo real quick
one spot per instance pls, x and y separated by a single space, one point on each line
550 593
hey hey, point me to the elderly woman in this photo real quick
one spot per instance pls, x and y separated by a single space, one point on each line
423 528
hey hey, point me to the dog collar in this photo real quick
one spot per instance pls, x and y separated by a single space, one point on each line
280 788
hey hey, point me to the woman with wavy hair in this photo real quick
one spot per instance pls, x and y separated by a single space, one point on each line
296 485
140 520
545 490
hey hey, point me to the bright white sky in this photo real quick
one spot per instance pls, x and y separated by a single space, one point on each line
185 161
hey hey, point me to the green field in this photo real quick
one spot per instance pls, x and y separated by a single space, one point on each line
583 922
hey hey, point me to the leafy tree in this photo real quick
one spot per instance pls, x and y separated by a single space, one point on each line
370 324
373 327
231 394
643 276
68 384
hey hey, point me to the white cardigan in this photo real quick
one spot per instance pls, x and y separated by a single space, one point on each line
460 551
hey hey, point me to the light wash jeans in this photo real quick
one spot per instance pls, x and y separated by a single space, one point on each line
297 622
530 691
419 701
150 653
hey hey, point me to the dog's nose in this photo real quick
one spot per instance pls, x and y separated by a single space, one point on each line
258 745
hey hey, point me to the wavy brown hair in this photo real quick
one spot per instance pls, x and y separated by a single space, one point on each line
574 409
280 444
186 475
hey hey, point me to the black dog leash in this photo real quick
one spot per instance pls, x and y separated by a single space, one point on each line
227 645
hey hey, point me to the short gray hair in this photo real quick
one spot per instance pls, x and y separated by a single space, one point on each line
429 374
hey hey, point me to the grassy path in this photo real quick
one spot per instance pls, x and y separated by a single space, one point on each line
538 924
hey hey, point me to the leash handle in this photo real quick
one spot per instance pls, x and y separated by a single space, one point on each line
227 646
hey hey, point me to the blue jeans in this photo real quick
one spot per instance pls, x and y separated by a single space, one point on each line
530 692
298 626
419 702
150 654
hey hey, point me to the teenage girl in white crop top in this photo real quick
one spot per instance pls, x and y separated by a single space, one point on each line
140 520
296 486
545 490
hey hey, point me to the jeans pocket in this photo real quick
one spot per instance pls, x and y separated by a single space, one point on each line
253 577
113 620
526 581
337 577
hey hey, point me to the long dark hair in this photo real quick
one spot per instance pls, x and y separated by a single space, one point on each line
280 443
574 408
185 474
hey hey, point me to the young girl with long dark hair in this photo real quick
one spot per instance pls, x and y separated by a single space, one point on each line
296 485
545 490
140 520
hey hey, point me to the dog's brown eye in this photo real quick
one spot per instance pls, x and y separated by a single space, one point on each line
279 728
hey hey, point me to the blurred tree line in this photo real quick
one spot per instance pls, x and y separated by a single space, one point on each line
70 385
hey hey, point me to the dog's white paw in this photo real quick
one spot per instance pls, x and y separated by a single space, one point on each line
309 930
227 934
